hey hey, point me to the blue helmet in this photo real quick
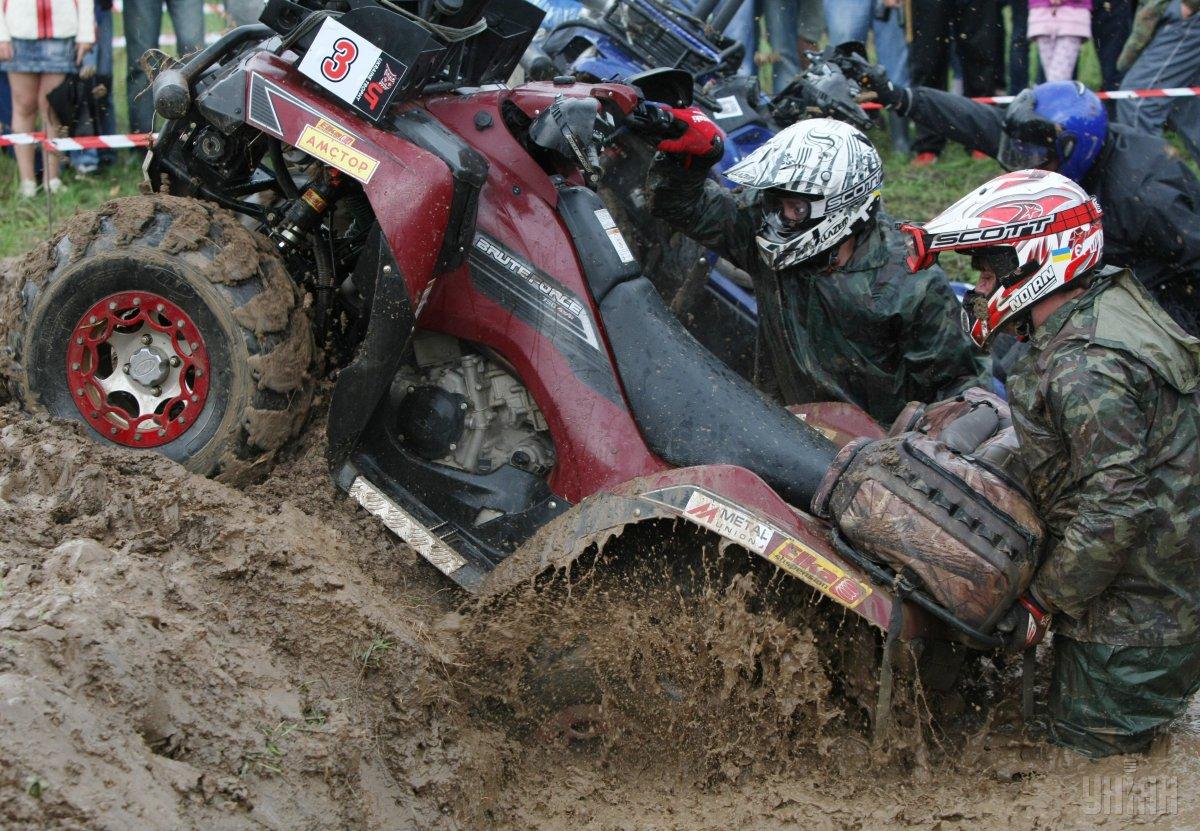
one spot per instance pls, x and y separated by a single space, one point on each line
1060 125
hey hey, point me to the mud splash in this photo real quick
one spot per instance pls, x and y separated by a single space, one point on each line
175 653
690 659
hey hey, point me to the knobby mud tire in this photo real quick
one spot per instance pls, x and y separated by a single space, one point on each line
231 283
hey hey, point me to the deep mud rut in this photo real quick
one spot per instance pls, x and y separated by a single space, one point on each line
176 653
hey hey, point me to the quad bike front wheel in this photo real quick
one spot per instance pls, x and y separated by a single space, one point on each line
162 323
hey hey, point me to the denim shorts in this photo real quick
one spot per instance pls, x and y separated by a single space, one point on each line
44 56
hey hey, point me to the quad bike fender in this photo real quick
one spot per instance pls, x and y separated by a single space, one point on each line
839 421
567 43
362 384
726 500
422 181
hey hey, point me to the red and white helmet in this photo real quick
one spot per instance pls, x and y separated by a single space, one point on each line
1036 229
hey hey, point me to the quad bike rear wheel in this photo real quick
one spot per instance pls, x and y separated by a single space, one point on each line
162 323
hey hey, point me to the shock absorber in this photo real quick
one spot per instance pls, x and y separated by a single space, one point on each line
302 220
307 210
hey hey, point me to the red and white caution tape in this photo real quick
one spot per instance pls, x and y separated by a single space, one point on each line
1111 95
118 142
1115 95
127 140
66 145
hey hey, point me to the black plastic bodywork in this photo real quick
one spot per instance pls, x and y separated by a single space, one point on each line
601 264
448 500
487 57
362 385
468 167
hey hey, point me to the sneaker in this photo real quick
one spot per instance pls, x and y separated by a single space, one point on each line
28 189
56 185
85 168
924 159
979 155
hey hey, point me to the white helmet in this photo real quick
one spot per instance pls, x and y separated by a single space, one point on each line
1036 230
830 175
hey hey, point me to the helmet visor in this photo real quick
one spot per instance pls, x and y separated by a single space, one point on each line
1000 261
787 213
1017 154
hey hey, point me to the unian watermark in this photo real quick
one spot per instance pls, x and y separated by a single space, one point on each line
1129 794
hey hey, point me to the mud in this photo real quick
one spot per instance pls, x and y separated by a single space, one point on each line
177 653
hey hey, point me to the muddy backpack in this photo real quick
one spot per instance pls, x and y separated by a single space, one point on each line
937 502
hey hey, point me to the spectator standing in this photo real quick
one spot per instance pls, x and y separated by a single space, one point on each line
793 27
1112 21
40 42
1170 59
101 60
852 20
1018 47
1059 28
970 24
143 27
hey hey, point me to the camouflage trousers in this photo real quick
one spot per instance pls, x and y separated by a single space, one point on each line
1107 699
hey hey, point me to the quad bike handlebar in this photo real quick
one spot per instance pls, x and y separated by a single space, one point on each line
826 88
654 121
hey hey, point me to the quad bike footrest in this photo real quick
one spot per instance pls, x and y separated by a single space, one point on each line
408 519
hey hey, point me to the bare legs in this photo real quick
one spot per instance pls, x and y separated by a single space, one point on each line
29 102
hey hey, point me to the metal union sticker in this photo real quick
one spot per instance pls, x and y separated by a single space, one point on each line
728 521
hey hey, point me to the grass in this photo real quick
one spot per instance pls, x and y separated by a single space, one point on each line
26 222
270 758
372 656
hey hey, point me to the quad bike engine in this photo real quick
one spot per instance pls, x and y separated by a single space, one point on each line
462 409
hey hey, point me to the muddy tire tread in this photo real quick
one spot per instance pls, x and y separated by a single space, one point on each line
263 302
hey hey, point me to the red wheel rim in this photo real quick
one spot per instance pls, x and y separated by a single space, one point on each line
138 369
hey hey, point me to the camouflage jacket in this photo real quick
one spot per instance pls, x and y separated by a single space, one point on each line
1145 23
1107 409
869 333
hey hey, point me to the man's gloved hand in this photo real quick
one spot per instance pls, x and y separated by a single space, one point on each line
702 138
872 77
1025 624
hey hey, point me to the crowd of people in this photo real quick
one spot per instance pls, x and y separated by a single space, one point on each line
1140 44
1151 43
45 44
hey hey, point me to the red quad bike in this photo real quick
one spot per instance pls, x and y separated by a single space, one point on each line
513 388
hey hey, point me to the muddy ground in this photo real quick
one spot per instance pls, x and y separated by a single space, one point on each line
177 653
